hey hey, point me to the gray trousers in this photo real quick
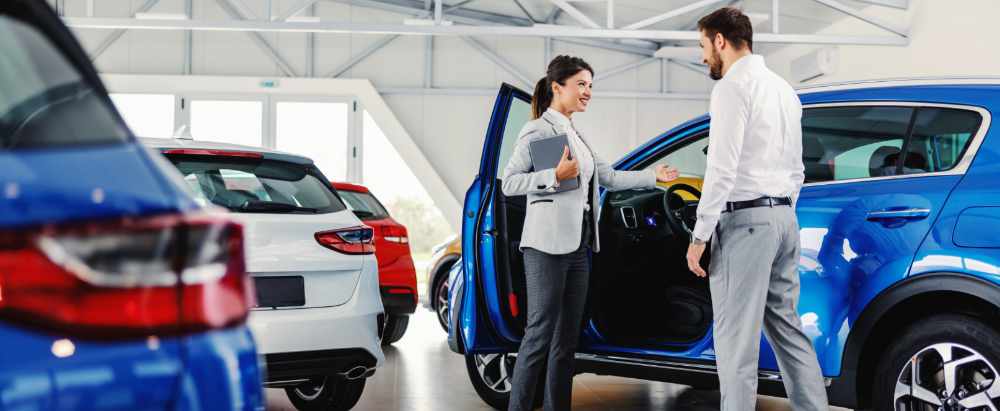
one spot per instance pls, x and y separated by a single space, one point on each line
557 291
754 280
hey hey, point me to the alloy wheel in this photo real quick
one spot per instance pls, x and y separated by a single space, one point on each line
442 302
496 370
947 377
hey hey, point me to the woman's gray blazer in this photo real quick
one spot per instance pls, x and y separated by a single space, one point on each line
552 223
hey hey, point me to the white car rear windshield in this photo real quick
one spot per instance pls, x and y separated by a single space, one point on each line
251 185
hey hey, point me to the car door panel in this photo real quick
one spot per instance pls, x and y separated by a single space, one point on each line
490 307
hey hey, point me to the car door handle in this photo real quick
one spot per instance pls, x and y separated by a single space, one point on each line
907 213
491 232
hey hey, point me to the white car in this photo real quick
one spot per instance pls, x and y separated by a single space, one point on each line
319 313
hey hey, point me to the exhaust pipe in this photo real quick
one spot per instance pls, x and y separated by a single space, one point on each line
357 373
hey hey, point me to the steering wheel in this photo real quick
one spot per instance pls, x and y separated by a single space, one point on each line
681 215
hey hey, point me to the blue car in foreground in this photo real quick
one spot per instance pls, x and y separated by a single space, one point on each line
900 264
117 291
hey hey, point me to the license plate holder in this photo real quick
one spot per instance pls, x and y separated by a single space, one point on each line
283 291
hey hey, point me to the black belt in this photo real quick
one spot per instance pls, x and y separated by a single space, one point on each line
760 202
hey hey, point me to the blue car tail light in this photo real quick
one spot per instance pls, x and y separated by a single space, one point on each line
126 278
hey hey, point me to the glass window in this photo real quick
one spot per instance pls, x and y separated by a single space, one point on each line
517 117
44 101
148 115
317 130
257 186
940 137
690 160
228 121
842 143
365 203
392 181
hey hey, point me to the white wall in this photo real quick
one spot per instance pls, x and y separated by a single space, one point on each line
447 130
947 38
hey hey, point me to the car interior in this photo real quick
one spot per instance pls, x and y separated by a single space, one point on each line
641 292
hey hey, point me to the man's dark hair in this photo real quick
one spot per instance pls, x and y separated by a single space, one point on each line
734 26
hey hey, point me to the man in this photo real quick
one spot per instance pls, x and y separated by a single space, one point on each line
753 178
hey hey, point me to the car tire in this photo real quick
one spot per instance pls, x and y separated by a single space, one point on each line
439 295
326 394
395 327
491 376
913 369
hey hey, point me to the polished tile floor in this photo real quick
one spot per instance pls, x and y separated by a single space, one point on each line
421 374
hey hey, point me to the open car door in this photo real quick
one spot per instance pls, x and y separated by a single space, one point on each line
488 306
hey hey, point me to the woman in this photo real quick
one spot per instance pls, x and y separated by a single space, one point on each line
559 229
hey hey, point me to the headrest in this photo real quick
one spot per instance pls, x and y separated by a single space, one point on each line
883 161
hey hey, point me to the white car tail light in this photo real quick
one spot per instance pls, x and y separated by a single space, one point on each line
354 240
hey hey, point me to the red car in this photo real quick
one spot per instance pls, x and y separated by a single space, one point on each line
396 274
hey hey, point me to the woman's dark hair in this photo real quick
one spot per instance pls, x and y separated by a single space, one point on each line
734 26
560 69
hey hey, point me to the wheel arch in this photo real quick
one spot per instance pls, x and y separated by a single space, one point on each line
441 268
896 308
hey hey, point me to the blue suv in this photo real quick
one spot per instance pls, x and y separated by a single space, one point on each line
117 290
900 264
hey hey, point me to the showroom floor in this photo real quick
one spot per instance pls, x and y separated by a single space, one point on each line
421 374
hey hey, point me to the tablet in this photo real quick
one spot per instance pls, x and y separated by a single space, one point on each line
546 153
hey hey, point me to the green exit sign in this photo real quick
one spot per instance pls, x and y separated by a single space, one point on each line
269 83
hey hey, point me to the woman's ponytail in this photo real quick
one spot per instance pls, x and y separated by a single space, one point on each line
542 98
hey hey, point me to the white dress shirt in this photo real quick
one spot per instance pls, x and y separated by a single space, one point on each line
754 142
580 151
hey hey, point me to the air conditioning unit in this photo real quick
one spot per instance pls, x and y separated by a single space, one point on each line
817 63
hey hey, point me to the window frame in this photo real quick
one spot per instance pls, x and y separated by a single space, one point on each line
961 166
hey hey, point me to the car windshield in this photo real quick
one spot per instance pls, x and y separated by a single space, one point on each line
250 185
44 100
364 204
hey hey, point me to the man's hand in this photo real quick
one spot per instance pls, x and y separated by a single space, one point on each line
567 168
694 259
666 174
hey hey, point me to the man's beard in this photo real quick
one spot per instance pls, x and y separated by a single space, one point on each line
715 66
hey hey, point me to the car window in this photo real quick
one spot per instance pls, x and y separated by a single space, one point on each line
257 186
690 160
940 138
364 202
842 143
44 100
517 117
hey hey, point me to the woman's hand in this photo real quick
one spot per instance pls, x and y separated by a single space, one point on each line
567 168
666 174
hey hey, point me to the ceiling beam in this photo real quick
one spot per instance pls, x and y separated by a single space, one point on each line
117 34
461 30
296 9
413 7
860 15
363 55
673 13
624 67
492 92
478 18
525 11
457 6
898 4
576 14
257 38
498 60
